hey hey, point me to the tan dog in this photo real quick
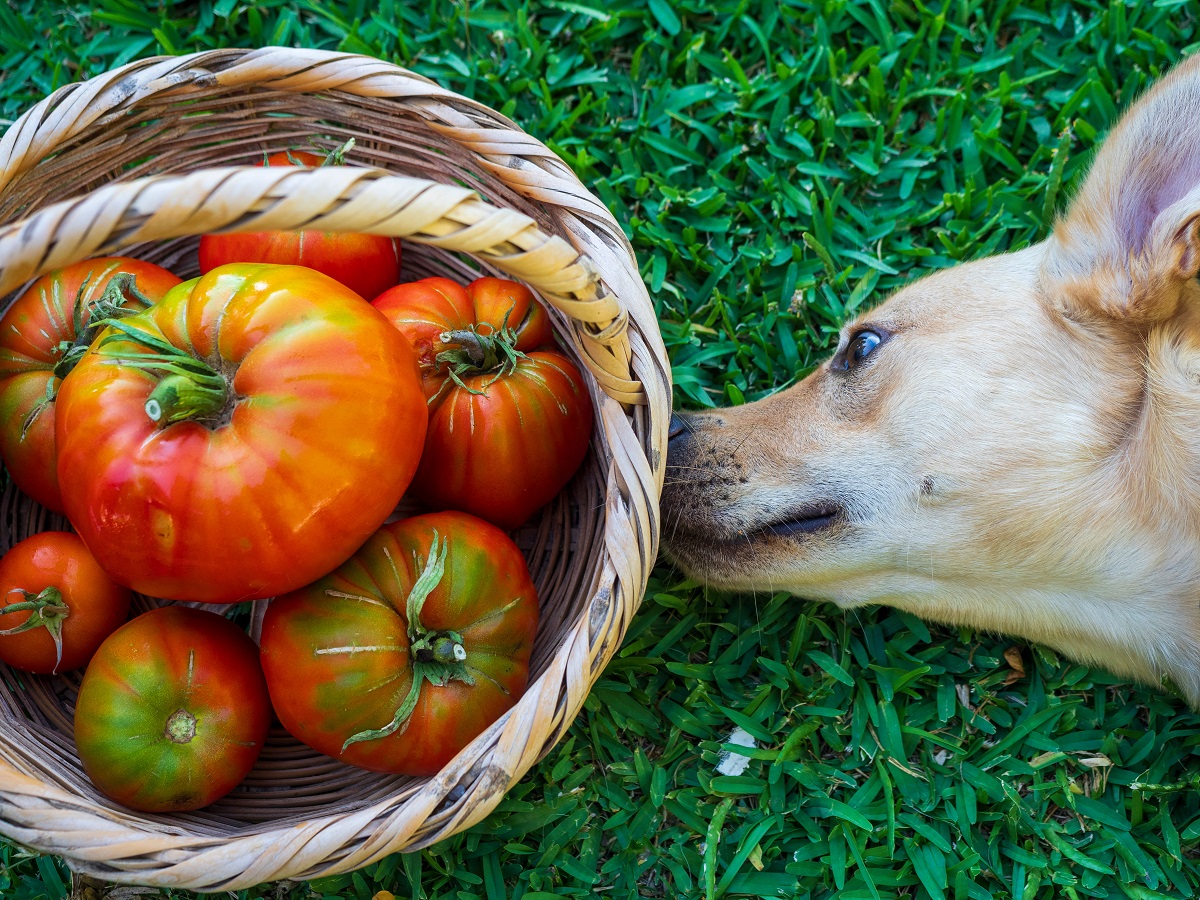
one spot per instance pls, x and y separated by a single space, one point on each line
1012 444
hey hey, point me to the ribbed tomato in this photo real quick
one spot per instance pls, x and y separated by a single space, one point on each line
173 710
241 437
510 416
401 657
59 605
366 263
42 336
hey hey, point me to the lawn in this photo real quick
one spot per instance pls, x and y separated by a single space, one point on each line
777 166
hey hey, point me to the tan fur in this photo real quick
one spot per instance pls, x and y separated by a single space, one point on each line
1022 454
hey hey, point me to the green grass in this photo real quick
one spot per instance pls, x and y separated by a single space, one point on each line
776 166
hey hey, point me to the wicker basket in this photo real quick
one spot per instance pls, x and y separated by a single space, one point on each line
138 161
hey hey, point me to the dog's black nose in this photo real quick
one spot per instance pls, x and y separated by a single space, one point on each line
678 427
681 443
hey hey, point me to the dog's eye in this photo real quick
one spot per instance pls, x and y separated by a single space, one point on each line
860 347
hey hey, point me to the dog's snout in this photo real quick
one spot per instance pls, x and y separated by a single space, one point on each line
677 428
681 440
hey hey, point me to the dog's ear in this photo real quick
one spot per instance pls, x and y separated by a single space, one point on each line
1130 243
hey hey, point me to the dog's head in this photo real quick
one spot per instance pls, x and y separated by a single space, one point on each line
1013 443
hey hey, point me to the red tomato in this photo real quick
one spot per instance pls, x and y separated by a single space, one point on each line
366 263
509 416
240 438
59 605
42 337
173 710
401 657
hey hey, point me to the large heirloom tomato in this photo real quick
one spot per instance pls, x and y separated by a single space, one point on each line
42 336
59 604
509 415
366 263
241 437
397 660
173 710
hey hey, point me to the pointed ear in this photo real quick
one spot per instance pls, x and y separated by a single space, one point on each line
1129 246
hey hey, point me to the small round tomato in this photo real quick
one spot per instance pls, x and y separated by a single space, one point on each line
59 604
366 263
173 710
402 656
42 336
241 437
509 415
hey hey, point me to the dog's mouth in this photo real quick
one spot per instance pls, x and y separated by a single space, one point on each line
808 519
715 553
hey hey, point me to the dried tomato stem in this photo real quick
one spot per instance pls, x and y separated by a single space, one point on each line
180 727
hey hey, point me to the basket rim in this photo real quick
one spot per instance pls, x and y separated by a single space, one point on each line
634 470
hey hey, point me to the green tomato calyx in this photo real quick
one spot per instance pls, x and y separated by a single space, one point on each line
46 610
338 156
114 303
189 388
438 657
181 727
470 351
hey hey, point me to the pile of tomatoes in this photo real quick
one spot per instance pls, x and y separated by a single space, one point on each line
246 435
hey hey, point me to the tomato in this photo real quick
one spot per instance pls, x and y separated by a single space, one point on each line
401 657
59 605
510 417
173 710
241 437
366 263
42 336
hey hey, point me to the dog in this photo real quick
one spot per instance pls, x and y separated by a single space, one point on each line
1011 444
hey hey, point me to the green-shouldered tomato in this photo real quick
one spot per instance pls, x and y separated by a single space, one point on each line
173 710
402 656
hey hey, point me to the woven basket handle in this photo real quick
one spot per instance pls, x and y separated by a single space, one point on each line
332 198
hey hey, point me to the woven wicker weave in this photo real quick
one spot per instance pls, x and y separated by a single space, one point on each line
144 158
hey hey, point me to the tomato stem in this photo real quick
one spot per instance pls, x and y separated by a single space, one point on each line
438 657
338 156
112 304
46 610
179 397
470 352
493 352
189 389
335 157
446 650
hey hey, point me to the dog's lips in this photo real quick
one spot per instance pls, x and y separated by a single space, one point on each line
807 520
724 556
